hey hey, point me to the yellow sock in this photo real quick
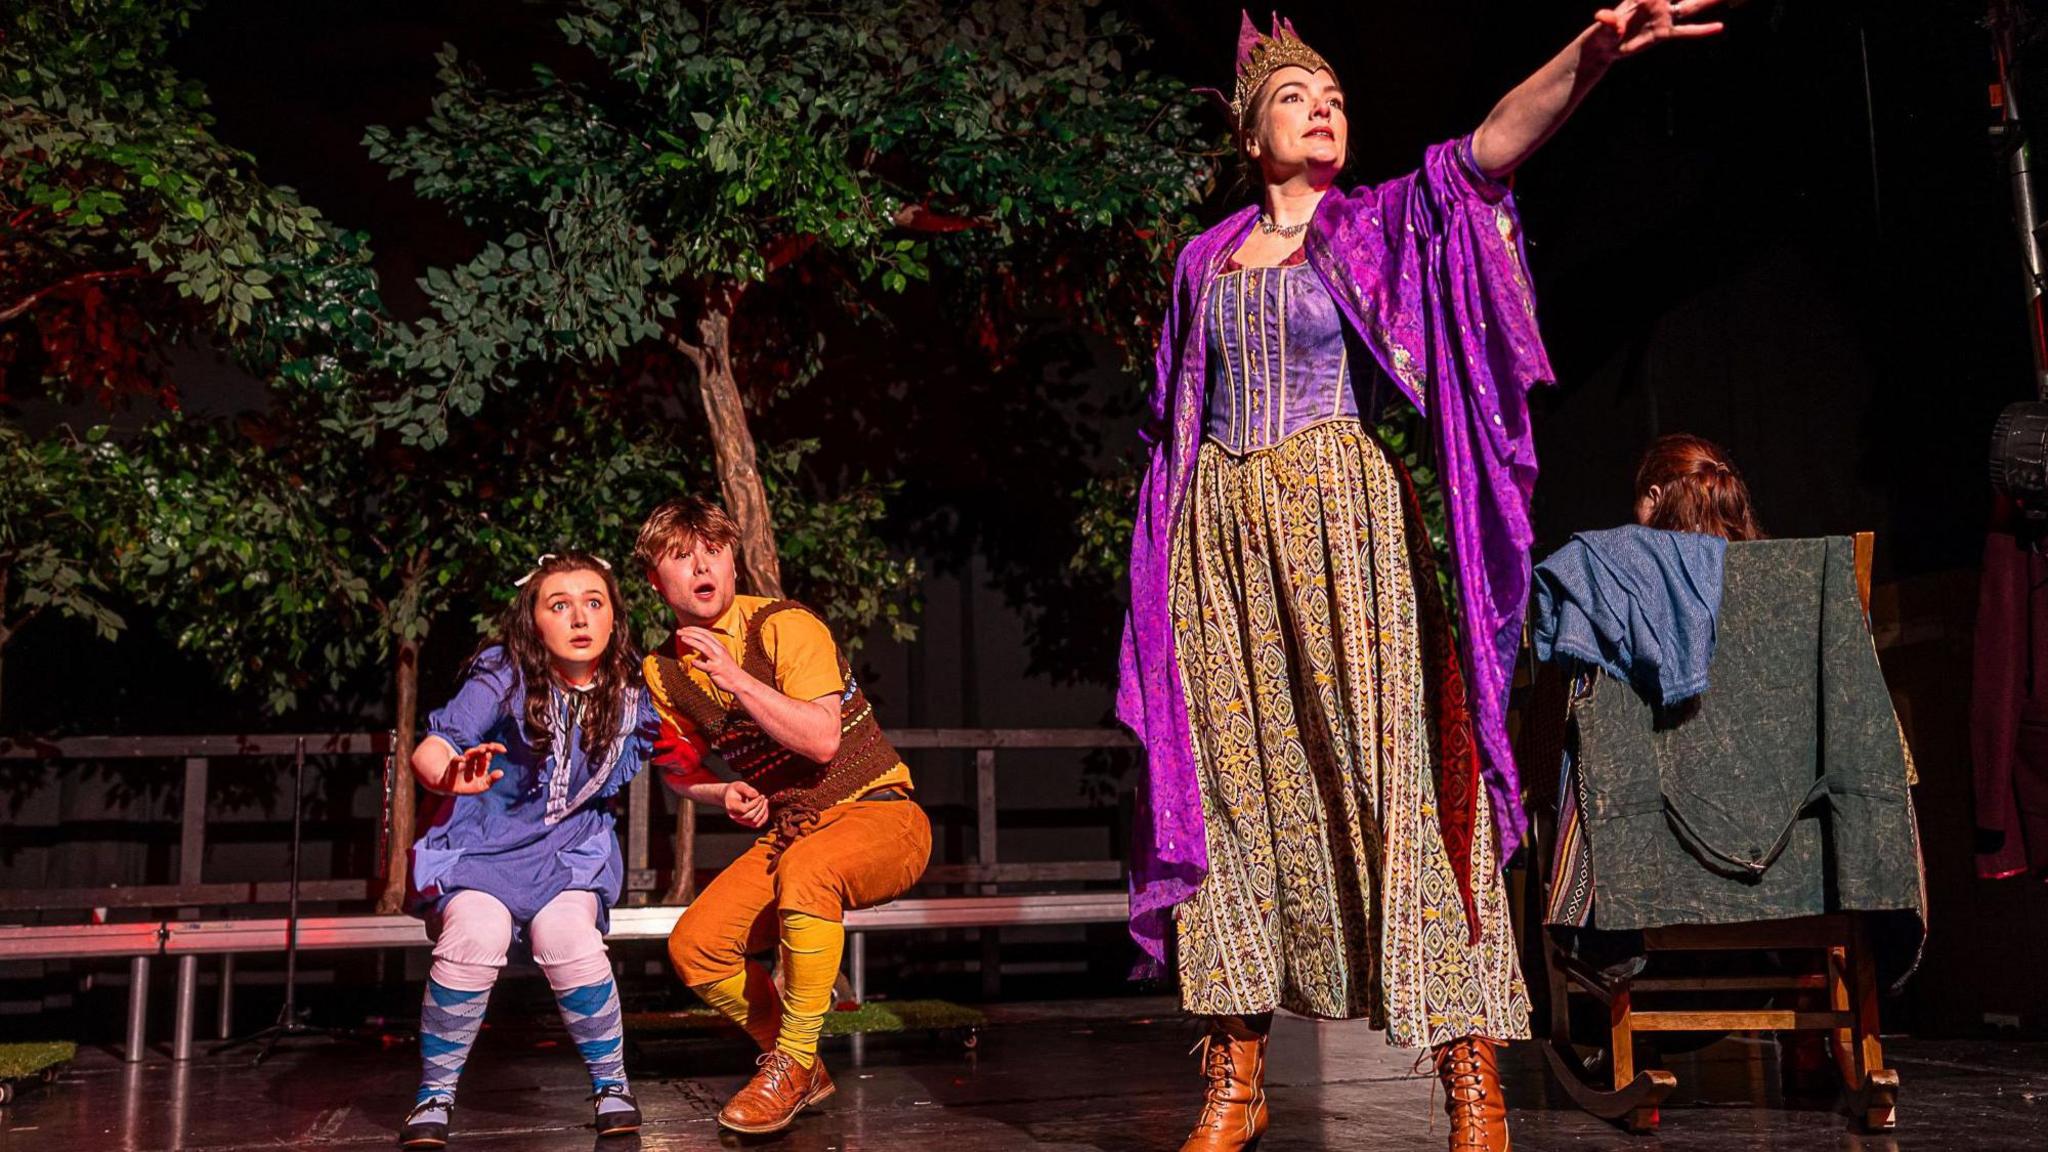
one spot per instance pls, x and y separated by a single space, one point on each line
811 946
747 998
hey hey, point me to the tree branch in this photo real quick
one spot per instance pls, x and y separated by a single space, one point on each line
788 250
918 218
32 299
692 352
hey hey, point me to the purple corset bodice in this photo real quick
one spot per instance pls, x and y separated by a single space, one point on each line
1277 359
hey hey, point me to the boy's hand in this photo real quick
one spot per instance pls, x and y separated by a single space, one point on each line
712 658
745 804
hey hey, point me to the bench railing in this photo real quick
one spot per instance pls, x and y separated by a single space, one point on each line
187 939
196 754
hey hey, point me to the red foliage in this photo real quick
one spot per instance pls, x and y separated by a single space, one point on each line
91 339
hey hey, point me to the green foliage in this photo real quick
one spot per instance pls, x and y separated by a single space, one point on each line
1107 507
130 227
1003 141
258 570
1001 149
589 485
874 1016
404 471
832 556
55 524
133 230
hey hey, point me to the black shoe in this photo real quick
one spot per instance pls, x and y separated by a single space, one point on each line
617 1121
426 1126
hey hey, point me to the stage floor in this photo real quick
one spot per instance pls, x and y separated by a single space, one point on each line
1113 1075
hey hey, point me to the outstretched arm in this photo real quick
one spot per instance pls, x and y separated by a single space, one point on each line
1539 106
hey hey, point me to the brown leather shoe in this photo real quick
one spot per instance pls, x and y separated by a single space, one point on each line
1234 1104
1472 1096
780 1089
822 1086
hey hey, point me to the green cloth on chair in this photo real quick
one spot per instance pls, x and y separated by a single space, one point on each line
1779 793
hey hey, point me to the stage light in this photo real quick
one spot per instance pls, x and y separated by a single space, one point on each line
2019 451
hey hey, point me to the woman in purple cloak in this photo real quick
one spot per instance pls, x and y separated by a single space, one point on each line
1314 830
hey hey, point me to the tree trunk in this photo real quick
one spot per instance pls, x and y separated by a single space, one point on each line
408 625
398 850
682 886
732 443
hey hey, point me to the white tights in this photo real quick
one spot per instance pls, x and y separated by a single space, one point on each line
476 931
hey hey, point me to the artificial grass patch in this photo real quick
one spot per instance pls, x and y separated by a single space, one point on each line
903 1016
19 1060
875 1016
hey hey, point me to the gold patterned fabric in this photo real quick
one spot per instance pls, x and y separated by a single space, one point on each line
1302 651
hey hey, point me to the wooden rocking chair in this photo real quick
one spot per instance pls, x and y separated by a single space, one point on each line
1839 998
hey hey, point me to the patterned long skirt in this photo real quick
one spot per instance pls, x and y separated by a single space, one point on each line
1302 648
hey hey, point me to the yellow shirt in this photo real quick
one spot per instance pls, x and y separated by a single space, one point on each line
805 657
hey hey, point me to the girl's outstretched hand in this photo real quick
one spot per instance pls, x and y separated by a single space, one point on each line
1634 25
470 772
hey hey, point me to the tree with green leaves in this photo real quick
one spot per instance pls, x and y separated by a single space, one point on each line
53 533
130 230
736 152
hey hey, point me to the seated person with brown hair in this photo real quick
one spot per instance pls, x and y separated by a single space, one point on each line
762 683
1687 484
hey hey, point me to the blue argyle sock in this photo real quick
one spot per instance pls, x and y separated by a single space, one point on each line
592 1014
449 1021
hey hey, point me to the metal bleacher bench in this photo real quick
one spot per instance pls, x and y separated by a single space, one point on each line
190 939
142 941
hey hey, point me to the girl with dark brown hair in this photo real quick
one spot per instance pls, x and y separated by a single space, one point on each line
551 721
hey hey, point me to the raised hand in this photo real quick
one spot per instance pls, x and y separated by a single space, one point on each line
1634 25
745 804
712 658
470 772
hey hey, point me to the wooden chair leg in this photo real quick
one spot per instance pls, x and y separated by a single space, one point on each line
1621 1039
1634 1098
1621 1050
1842 1041
1559 987
1874 1095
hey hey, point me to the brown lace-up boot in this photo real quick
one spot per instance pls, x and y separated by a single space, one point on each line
1472 1096
1234 1103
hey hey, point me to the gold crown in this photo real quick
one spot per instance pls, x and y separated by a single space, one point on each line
1259 56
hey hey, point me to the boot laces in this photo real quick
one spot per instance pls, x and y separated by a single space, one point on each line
1462 1073
1216 1069
1459 1066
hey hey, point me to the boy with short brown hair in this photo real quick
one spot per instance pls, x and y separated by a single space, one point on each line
762 683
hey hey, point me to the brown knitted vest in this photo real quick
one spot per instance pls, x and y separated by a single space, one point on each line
797 788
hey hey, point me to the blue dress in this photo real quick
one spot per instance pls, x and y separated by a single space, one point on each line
544 828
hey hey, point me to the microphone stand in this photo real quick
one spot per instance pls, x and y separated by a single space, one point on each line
290 1023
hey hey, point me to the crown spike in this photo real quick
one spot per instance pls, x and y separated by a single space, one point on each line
1260 55
1248 38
